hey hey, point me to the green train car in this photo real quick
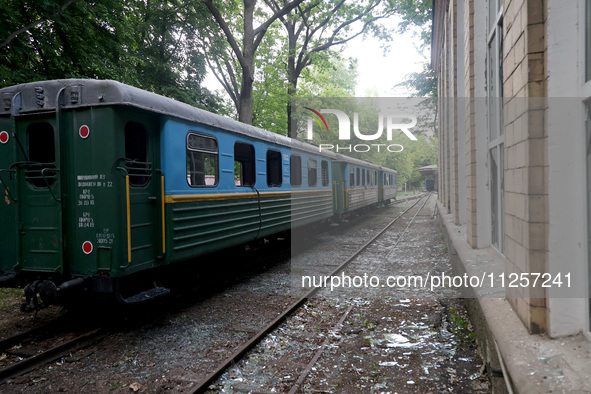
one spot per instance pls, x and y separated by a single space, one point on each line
105 185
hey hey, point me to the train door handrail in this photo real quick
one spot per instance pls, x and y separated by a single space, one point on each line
6 190
128 212
47 183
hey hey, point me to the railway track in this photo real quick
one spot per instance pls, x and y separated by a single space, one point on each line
28 352
264 332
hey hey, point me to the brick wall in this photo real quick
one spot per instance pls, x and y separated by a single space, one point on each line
525 159
470 124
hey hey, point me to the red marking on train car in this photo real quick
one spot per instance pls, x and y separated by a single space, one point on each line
84 131
4 137
87 247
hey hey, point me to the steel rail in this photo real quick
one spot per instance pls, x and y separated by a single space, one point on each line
52 354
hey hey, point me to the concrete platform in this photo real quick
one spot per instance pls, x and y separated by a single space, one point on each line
530 363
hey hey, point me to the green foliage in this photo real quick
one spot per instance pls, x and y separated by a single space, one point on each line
329 77
416 14
423 83
270 94
145 44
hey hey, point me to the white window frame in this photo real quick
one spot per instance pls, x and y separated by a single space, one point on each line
494 89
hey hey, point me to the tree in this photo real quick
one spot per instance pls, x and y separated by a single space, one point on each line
6 41
243 53
57 39
167 58
147 44
417 14
313 29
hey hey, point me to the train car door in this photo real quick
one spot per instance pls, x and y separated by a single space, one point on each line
381 177
39 195
141 185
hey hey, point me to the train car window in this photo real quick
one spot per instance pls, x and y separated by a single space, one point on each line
274 173
358 177
352 177
41 152
363 177
244 164
136 153
367 176
312 172
202 160
375 177
324 172
295 164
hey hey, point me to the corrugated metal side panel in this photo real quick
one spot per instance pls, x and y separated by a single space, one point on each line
275 214
389 192
358 198
311 207
205 226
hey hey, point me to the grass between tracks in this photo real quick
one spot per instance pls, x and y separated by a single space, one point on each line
9 298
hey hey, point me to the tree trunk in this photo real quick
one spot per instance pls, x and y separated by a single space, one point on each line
292 79
248 49
292 126
245 99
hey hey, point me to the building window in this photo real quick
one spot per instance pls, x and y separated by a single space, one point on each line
295 164
587 41
274 173
312 172
324 173
588 154
494 88
244 164
202 160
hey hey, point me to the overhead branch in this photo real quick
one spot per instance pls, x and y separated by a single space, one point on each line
304 60
259 32
226 29
35 23
221 77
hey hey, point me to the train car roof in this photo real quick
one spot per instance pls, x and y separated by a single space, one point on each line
42 96
346 159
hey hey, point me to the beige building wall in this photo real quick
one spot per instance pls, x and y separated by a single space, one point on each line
525 160
526 168
470 125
